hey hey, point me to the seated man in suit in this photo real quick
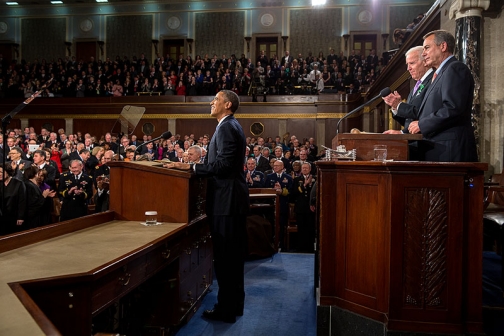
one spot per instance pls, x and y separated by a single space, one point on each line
254 178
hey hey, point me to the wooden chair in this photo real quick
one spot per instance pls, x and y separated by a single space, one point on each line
267 198
291 226
493 218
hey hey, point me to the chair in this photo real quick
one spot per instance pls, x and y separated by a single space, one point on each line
291 226
266 202
493 218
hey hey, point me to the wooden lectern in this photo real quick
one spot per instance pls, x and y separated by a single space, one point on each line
58 279
400 244
363 143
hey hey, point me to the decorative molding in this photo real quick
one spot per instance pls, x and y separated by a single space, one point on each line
463 8
425 248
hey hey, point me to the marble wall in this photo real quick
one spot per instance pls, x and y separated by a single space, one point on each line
492 94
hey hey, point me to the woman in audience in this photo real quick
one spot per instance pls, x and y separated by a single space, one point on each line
14 197
56 156
95 158
181 89
36 199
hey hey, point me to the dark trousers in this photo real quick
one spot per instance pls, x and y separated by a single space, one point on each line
229 238
306 231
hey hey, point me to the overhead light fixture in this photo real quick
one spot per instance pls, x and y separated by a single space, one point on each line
318 2
101 0
12 3
57 2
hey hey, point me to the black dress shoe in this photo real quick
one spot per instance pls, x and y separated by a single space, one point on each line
216 315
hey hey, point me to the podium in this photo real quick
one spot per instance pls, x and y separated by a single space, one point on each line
400 247
363 143
59 279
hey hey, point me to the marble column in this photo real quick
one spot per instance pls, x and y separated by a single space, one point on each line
467 15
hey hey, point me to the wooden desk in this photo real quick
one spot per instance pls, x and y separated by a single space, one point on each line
363 143
271 195
56 279
401 243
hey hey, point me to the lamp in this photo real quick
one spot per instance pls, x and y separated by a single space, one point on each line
101 44
16 48
346 36
248 38
155 43
284 38
69 48
385 37
189 44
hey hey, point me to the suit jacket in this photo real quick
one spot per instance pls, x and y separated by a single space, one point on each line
227 191
263 164
407 112
445 115
300 194
51 176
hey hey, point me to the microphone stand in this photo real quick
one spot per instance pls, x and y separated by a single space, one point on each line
385 92
165 135
6 121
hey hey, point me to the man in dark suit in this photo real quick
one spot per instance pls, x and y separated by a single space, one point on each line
227 205
262 163
39 159
405 113
17 163
445 113
76 188
305 215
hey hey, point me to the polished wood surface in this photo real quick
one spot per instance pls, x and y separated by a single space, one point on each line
401 242
57 278
268 194
363 143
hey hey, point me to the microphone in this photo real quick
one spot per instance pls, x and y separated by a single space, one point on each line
383 93
164 136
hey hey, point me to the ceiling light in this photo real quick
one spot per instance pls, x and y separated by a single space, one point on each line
101 0
11 3
57 2
318 2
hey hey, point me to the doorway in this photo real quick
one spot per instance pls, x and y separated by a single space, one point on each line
268 44
173 48
364 43
85 50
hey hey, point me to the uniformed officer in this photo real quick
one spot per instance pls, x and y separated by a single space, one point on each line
254 178
76 189
282 183
305 216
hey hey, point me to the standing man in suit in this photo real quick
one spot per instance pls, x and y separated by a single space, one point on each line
445 113
227 205
405 113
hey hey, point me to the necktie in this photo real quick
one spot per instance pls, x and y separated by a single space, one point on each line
76 177
416 86
279 175
434 77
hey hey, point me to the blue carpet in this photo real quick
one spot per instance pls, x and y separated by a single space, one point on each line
279 300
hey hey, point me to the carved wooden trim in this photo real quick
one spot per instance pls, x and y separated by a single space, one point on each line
425 248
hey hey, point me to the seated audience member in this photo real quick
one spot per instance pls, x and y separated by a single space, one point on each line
194 154
254 178
101 198
12 218
76 189
36 210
